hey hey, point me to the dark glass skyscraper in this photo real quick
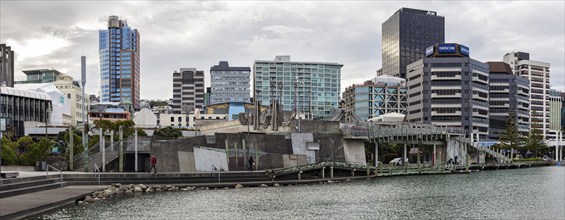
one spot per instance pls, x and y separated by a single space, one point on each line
119 62
405 37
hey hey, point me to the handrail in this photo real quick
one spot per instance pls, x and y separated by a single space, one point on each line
97 173
60 172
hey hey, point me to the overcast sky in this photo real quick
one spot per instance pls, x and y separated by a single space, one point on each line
174 35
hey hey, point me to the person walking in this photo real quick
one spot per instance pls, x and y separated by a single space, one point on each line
153 163
251 163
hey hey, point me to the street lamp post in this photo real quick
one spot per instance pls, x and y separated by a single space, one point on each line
85 126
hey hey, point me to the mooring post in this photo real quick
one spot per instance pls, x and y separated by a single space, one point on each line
332 172
353 172
404 162
323 172
434 157
228 151
299 175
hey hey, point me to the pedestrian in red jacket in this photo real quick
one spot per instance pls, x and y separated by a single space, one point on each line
153 163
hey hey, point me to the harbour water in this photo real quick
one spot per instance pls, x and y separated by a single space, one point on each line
532 193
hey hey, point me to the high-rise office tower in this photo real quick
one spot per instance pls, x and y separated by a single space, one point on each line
448 88
309 88
6 65
538 74
188 90
119 48
406 35
554 110
508 93
229 84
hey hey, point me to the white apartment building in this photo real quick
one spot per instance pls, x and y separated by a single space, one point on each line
538 74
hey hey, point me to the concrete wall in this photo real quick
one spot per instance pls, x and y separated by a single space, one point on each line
292 160
299 147
205 160
455 150
354 151
330 147
315 126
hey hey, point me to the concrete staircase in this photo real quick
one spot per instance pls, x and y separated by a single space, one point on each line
18 186
500 157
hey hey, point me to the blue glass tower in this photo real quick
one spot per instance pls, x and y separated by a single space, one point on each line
119 63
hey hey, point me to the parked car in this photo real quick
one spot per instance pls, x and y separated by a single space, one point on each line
397 161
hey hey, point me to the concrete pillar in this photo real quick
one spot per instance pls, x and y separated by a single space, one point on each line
135 148
228 151
112 140
376 153
299 175
102 149
121 159
434 156
244 155
323 172
236 154
557 147
353 172
71 148
332 172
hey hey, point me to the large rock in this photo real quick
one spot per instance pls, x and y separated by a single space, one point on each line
88 199
116 185
263 185
276 184
143 187
238 186
137 189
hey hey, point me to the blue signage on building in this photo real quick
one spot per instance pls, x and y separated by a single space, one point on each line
430 50
446 48
464 50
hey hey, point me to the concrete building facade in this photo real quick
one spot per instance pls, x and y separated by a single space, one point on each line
405 36
19 106
188 90
448 88
508 93
6 65
538 74
386 94
229 84
119 48
310 88
65 84
555 107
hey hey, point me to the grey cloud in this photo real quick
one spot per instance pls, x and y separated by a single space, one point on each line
199 34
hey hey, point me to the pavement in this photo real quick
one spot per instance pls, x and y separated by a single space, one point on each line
21 206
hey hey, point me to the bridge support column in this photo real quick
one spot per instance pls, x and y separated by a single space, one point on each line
404 162
376 153
323 172
353 172
299 175
434 157
332 172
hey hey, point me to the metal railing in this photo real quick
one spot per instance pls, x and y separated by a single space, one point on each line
97 173
60 173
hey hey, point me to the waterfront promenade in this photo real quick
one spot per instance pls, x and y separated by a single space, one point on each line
76 185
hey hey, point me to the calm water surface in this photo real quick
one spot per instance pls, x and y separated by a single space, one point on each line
533 193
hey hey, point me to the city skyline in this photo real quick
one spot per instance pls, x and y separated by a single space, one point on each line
200 34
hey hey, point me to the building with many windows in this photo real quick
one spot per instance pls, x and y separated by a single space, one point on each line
448 88
538 74
19 106
66 85
119 48
229 84
386 94
6 65
188 91
555 107
308 88
405 36
508 93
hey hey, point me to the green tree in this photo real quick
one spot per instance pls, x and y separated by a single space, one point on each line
36 152
9 156
511 138
535 140
77 140
168 132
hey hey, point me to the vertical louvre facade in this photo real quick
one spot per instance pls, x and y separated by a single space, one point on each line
119 48
6 65
405 36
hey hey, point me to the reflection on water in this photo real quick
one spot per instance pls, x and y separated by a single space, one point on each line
533 193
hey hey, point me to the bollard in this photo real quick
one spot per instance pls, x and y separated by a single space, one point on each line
299 175
353 172
332 172
323 172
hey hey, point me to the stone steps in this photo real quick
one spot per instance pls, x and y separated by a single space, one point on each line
30 189
18 185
